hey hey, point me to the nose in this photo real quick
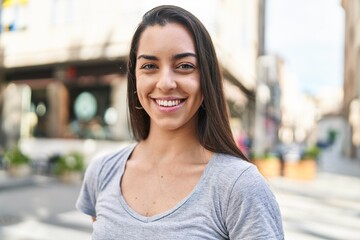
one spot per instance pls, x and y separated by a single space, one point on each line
166 80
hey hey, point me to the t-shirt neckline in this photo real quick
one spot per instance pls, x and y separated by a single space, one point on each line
156 217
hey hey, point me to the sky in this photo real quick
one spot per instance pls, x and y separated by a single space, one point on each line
309 36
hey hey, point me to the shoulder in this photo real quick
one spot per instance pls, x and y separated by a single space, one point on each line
97 176
239 181
238 174
248 199
227 173
231 168
109 162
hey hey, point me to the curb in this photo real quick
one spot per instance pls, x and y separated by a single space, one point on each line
7 182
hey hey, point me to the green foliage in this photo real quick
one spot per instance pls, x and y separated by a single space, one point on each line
265 156
71 162
332 135
16 157
312 152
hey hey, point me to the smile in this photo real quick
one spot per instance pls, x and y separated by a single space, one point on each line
168 103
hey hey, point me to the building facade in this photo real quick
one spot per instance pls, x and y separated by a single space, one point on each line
351 107
268 110
63 63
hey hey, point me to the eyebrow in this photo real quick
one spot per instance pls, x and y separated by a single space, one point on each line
175 57
184 55
148 57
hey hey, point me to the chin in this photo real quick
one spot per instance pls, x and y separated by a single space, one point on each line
170 125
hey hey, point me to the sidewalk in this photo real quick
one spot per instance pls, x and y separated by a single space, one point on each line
327 207
334 162
7 182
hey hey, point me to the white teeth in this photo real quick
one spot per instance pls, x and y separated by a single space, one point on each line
168 103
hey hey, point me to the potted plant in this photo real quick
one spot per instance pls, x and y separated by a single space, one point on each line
306 167
69 167
268 164
18 163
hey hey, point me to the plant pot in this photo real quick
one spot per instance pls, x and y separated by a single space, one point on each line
303 169
22 170
71 177
269 167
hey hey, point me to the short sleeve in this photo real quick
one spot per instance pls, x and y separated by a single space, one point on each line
252 211
87 197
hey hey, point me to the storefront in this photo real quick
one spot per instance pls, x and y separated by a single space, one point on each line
86 100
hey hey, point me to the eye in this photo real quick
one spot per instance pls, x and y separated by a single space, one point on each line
148 66
185 66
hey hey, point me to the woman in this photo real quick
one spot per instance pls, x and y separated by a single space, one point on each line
184 178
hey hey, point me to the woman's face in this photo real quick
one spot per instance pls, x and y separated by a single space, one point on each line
167 76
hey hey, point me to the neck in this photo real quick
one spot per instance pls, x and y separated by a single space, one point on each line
174 147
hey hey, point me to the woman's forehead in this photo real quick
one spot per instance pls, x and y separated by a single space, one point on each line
170 37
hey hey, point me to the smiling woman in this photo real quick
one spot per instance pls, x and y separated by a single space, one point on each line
167 77
184 177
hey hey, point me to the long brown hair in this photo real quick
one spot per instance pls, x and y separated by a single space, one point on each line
214 130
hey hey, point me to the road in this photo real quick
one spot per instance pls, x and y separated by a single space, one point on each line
42 210
325 208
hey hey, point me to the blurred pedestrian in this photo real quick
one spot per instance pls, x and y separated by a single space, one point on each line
243 142
184 177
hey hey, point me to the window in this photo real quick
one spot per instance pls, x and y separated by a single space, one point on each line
14 15
63 11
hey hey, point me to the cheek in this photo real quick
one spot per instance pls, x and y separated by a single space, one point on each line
142 88
139 81
197 89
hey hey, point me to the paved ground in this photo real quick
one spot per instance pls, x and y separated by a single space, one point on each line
325 208
332 161
40 208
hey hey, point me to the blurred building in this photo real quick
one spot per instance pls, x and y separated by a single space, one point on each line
294 114
268 97
284 115
351 107
63 63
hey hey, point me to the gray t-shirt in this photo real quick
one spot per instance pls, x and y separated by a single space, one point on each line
230 201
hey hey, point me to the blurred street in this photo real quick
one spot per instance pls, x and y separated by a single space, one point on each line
291 79
326 208
42 208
